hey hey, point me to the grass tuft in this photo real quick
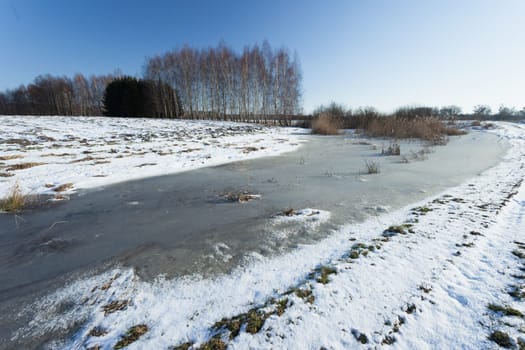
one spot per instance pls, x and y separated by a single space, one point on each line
183 346
281 306
371 167
505 310
306 295
63 187
502 339
14 201
324 272
114 306
255 321
393 150
213 344
517 292
131 336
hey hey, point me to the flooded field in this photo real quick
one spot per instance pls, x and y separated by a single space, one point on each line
194 222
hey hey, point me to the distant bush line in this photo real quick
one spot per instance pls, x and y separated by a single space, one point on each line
407 122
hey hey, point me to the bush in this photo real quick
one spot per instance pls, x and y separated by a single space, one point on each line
326 124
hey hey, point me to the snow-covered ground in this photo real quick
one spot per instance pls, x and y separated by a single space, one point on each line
43 153
421 277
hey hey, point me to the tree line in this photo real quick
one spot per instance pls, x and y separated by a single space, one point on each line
51 95
218 83
257 84
445 112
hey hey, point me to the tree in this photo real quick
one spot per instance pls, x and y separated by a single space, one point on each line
131 97
505 112
482 111
220 83
449 111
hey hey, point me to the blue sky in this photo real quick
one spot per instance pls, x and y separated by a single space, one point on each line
383 53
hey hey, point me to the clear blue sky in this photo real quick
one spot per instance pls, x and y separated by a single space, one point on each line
381 53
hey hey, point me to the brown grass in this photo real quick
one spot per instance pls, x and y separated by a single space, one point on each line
426 128
131 336
14 201
63 187
114 306
326 124
21 166
13 156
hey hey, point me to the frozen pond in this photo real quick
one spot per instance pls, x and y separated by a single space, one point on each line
181 224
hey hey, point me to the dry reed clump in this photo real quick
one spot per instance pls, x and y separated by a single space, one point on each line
326 124
14 201
426 128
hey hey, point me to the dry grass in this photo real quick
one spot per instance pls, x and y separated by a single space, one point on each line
114 306
240 196
372 167
63 187
426 128
326 124
131 336
22 166
10 157
14 201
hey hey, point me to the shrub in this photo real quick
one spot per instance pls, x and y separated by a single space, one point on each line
326 124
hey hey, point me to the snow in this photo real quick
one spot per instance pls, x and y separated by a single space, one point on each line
425 288
97 151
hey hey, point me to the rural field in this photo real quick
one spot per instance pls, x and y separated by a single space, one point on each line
170 234
288 175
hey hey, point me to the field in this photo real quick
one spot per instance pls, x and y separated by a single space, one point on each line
445 272
54 156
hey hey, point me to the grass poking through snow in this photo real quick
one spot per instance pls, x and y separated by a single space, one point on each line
371 167
505 310
131 336
14 201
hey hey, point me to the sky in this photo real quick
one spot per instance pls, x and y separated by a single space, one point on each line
381 53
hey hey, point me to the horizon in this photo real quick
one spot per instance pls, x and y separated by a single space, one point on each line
356 54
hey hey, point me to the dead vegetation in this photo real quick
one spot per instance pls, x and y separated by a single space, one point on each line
63 187
114 306
131 336
430 129
21 166
11 157
14 201
239 196
392 150
326 124
371 166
